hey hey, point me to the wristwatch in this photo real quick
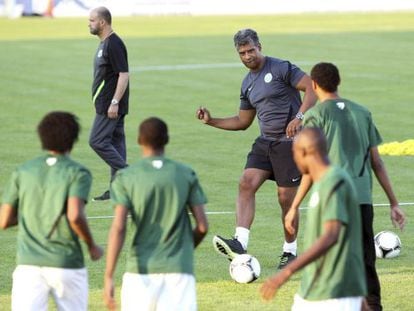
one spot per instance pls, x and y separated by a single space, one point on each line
299 116
114 102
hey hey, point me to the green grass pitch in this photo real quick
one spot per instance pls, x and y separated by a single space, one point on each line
46 64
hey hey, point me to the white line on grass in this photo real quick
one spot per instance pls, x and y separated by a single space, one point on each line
226 213
197 66
208 213
378 204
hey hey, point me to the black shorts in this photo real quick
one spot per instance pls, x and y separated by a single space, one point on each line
275 157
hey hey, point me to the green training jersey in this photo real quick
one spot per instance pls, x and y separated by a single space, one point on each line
157 192
340 272
39 190
351 133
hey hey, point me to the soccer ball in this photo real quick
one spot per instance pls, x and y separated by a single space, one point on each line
244 268
387 244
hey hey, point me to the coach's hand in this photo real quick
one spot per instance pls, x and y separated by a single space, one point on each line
203 114
293 127
113 111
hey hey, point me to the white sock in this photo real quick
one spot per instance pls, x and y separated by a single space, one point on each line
242 235
290 247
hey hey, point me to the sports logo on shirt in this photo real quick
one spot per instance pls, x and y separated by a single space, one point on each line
157 164
268 77
314 199
51 161
100 52
340 105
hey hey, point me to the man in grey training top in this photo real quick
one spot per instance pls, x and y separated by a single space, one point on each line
271 90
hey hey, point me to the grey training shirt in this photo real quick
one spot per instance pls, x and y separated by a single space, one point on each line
272 92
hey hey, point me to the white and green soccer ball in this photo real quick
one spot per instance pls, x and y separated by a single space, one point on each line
244 268
387 244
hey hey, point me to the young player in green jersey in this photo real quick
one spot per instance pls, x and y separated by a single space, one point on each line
333 260
158 193
46 197
352 142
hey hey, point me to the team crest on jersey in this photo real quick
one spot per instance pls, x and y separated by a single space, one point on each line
51 161
268 77
157 164
100 52
340 105
314 200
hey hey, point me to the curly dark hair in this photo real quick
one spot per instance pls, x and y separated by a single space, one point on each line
153 132
58 131
326 75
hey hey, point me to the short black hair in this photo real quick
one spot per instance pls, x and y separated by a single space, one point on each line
315 138
153 132
326 75
105 14
58 131
246 36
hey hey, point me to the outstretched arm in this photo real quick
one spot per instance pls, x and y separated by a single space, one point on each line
397 215
239 122
329 237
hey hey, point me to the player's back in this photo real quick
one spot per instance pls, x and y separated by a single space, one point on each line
44 185
350 133
159 191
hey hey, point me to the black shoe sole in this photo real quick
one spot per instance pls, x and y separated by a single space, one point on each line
103 197
223 249
99 199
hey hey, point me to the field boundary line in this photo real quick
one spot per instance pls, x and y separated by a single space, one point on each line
208 213
229 213
375 205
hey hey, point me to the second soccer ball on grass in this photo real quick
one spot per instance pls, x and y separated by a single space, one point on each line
387 244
